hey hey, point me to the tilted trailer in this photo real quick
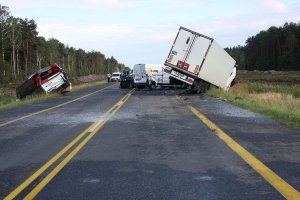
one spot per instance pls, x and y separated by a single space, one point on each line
199 61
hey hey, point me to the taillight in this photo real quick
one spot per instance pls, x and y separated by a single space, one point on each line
44 81
167 70
233 82
190 80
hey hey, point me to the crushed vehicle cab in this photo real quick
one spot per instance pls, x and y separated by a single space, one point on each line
157 76
48 79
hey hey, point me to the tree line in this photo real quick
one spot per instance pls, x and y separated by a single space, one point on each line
277 48
23 52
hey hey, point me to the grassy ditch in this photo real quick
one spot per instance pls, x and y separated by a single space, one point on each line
9 101
274 98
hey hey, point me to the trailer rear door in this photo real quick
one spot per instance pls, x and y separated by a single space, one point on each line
197 53
180 47
188 52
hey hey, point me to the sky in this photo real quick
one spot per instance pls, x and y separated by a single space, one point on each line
143 31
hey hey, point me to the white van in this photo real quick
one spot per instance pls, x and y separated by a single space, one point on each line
140 76
116 76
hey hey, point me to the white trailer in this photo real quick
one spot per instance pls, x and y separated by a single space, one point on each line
200 61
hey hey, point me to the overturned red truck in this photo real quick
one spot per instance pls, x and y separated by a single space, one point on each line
48 79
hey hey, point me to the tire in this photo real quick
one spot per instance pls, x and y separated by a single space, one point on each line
152 85
207 86
199 86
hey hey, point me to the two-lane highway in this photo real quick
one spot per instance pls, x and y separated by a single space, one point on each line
109 143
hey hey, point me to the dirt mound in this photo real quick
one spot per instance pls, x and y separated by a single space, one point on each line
7 91
86 79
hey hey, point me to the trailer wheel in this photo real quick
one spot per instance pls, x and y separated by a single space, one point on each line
207 86
198 86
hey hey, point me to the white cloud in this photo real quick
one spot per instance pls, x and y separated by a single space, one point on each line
102 36
297 18
276 5
127 43
167 3
110 3
80 33
180 4
99 4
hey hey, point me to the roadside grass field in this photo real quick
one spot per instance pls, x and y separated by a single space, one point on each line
8 101
274 94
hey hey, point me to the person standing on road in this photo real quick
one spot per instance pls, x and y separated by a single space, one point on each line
108 77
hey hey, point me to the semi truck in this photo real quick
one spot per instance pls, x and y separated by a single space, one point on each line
200 61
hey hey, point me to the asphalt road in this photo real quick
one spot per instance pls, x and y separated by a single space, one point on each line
112 143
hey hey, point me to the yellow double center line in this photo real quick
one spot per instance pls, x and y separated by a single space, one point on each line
271 177
51 108
91 131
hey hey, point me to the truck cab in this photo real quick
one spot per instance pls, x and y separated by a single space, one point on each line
157 76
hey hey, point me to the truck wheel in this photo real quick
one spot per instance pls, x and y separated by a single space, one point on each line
198 86
152 85
207 86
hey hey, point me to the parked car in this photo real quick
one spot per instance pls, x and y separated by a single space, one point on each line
126 80
116 76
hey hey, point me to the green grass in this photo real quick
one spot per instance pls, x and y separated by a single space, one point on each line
276 77
9 101
279 102
28 101
293 90
6 99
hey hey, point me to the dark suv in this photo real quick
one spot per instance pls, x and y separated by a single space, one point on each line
126 79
